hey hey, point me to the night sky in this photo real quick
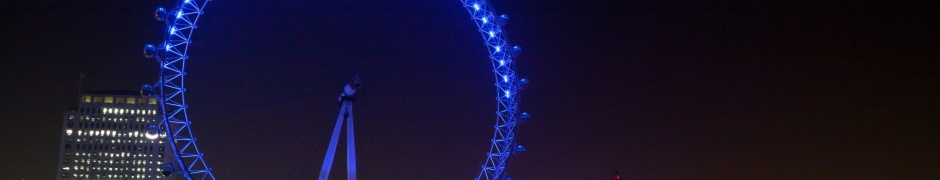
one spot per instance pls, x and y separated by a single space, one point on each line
656 90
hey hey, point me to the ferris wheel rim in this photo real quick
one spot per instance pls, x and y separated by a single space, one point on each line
172 54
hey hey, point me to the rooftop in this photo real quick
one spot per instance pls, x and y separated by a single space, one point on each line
116 92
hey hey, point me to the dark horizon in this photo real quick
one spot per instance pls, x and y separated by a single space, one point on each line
655 90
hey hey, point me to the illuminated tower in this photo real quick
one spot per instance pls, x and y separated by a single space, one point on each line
105 138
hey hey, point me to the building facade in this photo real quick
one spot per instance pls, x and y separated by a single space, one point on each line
106 137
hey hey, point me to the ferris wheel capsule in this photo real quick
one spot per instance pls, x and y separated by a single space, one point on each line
167 169
515 51
519 149
146 90
152 131
524 117
523 83
503 19
150 51
159 14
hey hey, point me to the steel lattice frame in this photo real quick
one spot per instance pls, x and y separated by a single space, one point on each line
181 22
507 87
172 58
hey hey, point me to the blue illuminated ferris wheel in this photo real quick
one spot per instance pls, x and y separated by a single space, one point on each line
188 160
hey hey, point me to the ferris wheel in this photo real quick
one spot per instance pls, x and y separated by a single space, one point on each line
188 161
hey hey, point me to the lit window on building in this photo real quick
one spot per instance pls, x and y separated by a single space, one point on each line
86 99
153 101
131 100
98 99
109 99
120 100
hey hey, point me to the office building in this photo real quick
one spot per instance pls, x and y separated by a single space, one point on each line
106 137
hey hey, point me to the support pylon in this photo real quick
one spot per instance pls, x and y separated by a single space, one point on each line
345 113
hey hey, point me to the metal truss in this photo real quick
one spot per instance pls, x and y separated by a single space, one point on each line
171 55
507 87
